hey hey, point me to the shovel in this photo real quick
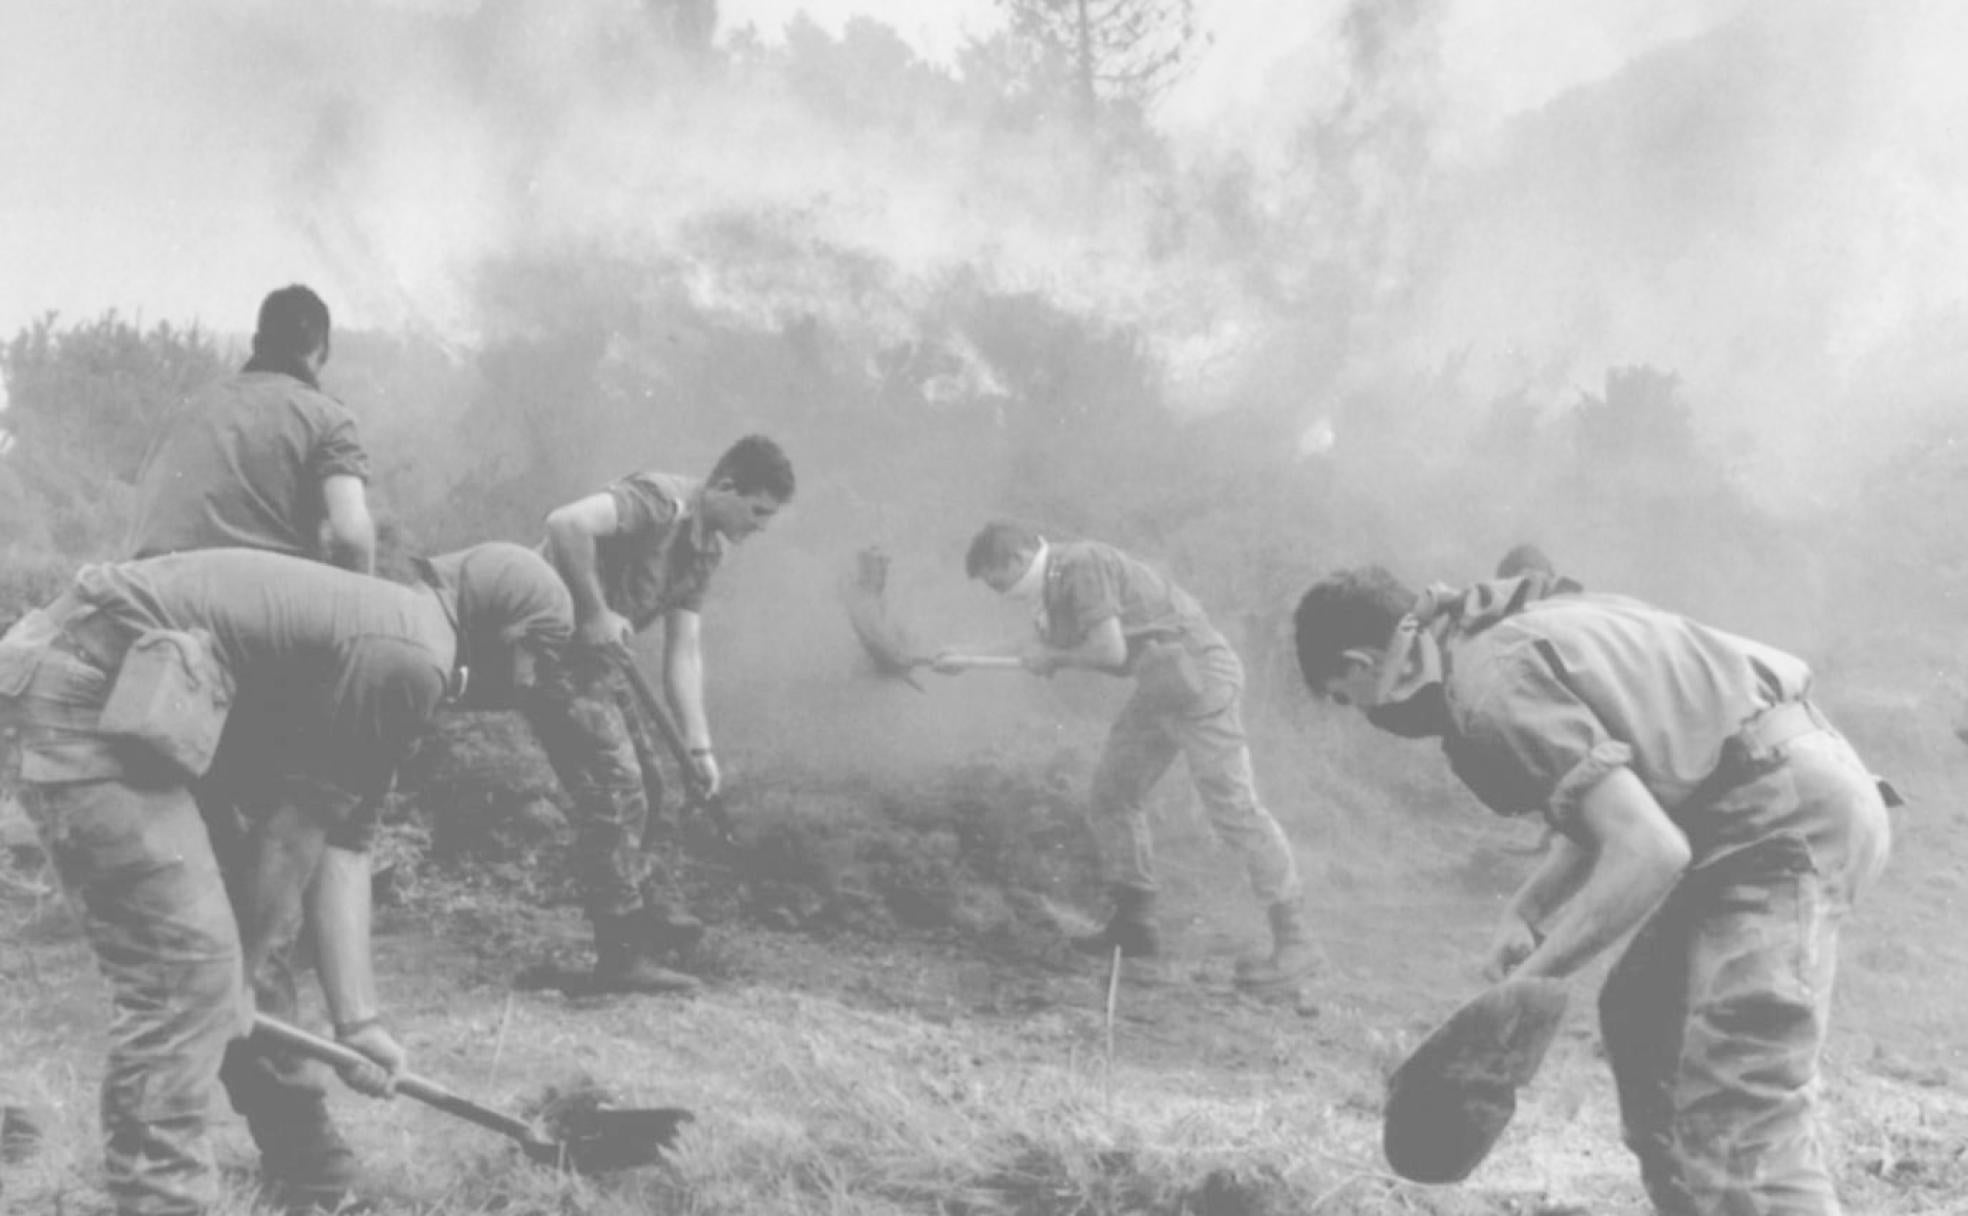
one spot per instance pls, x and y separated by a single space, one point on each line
592 1139
888 641
657 717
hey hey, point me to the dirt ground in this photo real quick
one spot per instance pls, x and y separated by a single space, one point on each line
861 934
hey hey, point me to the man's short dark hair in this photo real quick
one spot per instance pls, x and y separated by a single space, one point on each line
1525 559
997 543
756 465
1347 610
293 324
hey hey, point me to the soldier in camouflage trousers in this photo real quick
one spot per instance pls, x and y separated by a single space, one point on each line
642 549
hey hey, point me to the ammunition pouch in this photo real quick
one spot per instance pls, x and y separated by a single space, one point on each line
171 695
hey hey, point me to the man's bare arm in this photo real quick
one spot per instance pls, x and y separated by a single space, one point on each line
683 675
1638 856
683 686
350 531
572 531
339 902
1557 878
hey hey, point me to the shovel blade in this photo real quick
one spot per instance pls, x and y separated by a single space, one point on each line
888 642
603 1140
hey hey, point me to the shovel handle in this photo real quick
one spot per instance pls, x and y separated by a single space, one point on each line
659 717
429 1092
654 712
968 662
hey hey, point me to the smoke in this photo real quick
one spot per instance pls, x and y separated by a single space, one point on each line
1782 183
1371 222
1499 201
1761 208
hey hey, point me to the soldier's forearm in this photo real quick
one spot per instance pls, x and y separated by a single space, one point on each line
683 684
1620 893
349 530
339 901
1554 881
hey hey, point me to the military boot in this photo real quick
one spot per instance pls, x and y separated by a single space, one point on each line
623 961
306 1167
1132 929
1292 957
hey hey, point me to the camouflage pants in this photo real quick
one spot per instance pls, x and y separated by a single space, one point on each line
581 710
139 869
147 869
1187 703
1715 1016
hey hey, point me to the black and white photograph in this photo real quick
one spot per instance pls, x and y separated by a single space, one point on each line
983 608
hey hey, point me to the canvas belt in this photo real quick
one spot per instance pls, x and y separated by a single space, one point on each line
1757 747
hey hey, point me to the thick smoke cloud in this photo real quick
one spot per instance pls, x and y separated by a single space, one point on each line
1765 209
1367 224
1760 198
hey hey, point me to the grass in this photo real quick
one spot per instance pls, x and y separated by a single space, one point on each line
806 1103
873 1067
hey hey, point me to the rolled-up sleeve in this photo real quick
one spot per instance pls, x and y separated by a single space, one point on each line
338 451
1527 742
642 507
1088 595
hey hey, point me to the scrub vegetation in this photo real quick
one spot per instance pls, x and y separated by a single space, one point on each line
891 1024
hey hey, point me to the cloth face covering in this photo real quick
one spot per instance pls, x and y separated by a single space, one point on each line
1031 583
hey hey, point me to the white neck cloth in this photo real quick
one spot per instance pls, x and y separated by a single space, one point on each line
1032 582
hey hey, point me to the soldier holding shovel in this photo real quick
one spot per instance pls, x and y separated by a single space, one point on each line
1698 796
133 684
641 550
1099 609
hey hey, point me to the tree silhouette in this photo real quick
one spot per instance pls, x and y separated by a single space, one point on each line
1125 51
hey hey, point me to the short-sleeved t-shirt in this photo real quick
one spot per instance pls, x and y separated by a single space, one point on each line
336 673
1087 582
662 556
1550 700
242 465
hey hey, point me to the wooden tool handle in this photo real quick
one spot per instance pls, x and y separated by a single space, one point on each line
998 662
657 713
429 1092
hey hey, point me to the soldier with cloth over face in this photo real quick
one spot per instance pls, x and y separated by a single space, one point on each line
332 675
641 550
1697 795
1101 610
